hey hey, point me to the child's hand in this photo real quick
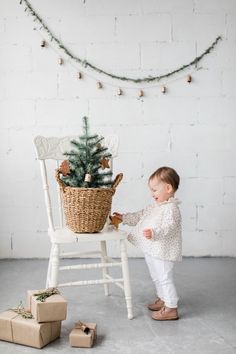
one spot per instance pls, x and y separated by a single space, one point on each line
147 233
119 216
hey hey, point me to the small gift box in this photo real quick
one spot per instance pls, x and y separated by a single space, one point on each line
83 335
25 330
47 305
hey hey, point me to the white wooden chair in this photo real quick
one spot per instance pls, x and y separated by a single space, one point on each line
52 148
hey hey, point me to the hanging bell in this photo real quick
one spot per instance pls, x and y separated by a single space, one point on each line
79 75
141 93
43 44
163 89
119 92
60 61
87 177
99 85
189 79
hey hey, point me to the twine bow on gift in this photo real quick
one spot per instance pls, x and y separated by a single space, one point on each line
20 310
83 327
44 294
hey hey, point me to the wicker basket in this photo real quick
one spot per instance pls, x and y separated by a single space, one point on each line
86 209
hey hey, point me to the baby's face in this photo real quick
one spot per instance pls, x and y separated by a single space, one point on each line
161 191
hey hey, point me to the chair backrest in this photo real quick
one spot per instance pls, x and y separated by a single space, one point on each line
53 148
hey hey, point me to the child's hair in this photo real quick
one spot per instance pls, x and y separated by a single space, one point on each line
167 175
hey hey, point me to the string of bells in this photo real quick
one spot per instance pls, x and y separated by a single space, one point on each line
119 91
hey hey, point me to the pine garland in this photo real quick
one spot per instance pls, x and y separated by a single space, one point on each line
86 63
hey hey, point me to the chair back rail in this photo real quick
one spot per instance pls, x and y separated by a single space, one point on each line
54 147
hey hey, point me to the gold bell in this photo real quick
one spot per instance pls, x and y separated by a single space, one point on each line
43 44
163 89
87 177
119 92
79 75
189 79
141 93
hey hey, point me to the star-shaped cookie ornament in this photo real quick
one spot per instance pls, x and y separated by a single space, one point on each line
65 168
115 221
104 163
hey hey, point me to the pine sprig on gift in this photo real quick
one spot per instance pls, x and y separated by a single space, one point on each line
44 294
20 310
86 161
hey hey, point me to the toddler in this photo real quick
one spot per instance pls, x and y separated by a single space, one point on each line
157 233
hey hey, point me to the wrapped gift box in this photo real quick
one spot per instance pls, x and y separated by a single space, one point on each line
83 335
14 328
54 308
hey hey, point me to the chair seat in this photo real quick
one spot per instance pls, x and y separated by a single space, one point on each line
65 235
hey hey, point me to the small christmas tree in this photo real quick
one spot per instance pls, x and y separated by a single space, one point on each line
86 162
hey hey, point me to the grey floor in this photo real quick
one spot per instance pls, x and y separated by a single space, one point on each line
207 290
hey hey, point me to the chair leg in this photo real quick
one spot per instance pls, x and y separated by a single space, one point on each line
49 271
54 265
125 271
104 260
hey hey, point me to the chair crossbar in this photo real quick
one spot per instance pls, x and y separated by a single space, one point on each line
84 254
91 282
91 266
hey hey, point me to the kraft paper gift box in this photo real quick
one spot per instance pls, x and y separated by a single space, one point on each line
83 335
14 328
54 308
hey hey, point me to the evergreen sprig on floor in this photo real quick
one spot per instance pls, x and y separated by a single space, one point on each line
87 161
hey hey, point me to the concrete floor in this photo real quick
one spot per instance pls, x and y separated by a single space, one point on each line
207 290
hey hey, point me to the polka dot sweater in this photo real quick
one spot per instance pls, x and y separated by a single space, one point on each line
165 221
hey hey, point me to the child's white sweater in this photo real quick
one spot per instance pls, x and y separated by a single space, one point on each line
165 221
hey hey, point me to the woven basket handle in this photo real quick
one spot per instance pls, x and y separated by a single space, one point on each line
61 184
117 180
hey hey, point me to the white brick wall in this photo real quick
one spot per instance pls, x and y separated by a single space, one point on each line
191 128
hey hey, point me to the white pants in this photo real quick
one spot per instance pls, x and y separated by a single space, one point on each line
162 275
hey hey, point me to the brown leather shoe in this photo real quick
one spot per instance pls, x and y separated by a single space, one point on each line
158 304
165 314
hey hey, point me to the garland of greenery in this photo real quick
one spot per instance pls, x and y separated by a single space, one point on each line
86 64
